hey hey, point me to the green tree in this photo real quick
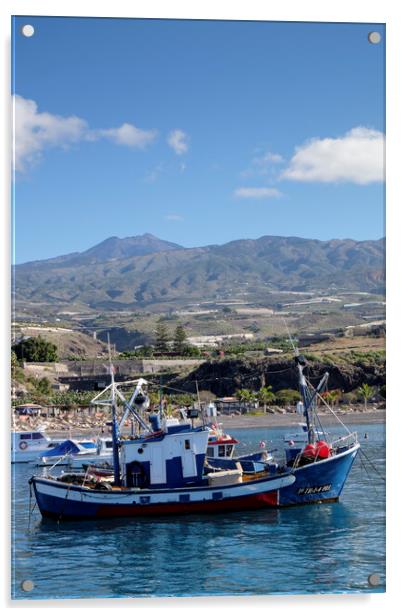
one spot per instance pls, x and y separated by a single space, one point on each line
265 396
36 349
40 389
162 338
287 396
180 344
366 392
332 396
246 397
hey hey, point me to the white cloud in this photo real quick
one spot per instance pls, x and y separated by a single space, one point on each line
36 131
129 135
178 141
357 156
257 193
174 217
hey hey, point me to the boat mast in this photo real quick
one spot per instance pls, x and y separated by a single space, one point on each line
115 431
308 396
303 387
307 399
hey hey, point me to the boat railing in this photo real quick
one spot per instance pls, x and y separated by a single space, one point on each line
345 441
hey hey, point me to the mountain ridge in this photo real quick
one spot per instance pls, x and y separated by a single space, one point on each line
142 270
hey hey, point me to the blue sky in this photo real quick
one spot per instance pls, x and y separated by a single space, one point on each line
199 132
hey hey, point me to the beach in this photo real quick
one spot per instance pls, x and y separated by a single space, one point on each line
95 425
293 419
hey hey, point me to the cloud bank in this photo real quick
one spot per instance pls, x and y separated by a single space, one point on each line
36 131
357 157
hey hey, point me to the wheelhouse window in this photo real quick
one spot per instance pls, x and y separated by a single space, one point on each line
210 452
221 451
229 449
187 444
25 437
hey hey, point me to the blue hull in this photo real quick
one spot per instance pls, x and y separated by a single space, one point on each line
319 481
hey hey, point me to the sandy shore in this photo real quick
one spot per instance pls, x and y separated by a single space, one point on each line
292 419
95 426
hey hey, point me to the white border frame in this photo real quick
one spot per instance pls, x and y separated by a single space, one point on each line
287 10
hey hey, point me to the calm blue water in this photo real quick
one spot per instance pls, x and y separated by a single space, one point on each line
314 549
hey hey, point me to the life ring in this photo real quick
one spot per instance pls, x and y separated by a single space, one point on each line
23 445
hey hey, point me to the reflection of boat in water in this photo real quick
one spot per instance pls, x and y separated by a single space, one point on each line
321 465
158 471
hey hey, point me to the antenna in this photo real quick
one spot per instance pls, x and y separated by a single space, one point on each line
111 369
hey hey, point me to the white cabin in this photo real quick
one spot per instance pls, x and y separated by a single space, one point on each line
168 458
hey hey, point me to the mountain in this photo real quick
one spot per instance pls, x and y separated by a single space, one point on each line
144 270
110 249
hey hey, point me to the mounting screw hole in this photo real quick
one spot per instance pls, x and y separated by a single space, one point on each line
374 38
373 579
28 30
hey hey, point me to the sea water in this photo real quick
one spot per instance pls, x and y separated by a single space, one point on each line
326 548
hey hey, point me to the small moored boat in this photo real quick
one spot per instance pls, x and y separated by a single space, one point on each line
319 463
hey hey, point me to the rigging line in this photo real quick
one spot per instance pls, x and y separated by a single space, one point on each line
368 474
183 391
230 378
290 337
333 412
324 432
372 465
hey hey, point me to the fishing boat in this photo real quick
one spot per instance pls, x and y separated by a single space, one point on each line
319 463
159 470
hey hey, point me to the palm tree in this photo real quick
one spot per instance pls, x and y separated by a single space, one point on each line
332 396
245 396
366 392
265 396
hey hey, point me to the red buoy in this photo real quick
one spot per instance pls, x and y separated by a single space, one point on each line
323 450
309 451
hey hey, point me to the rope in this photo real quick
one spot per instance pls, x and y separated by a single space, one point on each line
31 509
368 474
333 412
65 501
372 465
59 460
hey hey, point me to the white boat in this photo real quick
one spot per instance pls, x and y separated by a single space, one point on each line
103 455
60 454
29 446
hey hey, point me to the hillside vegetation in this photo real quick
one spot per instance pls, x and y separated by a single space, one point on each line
142 271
